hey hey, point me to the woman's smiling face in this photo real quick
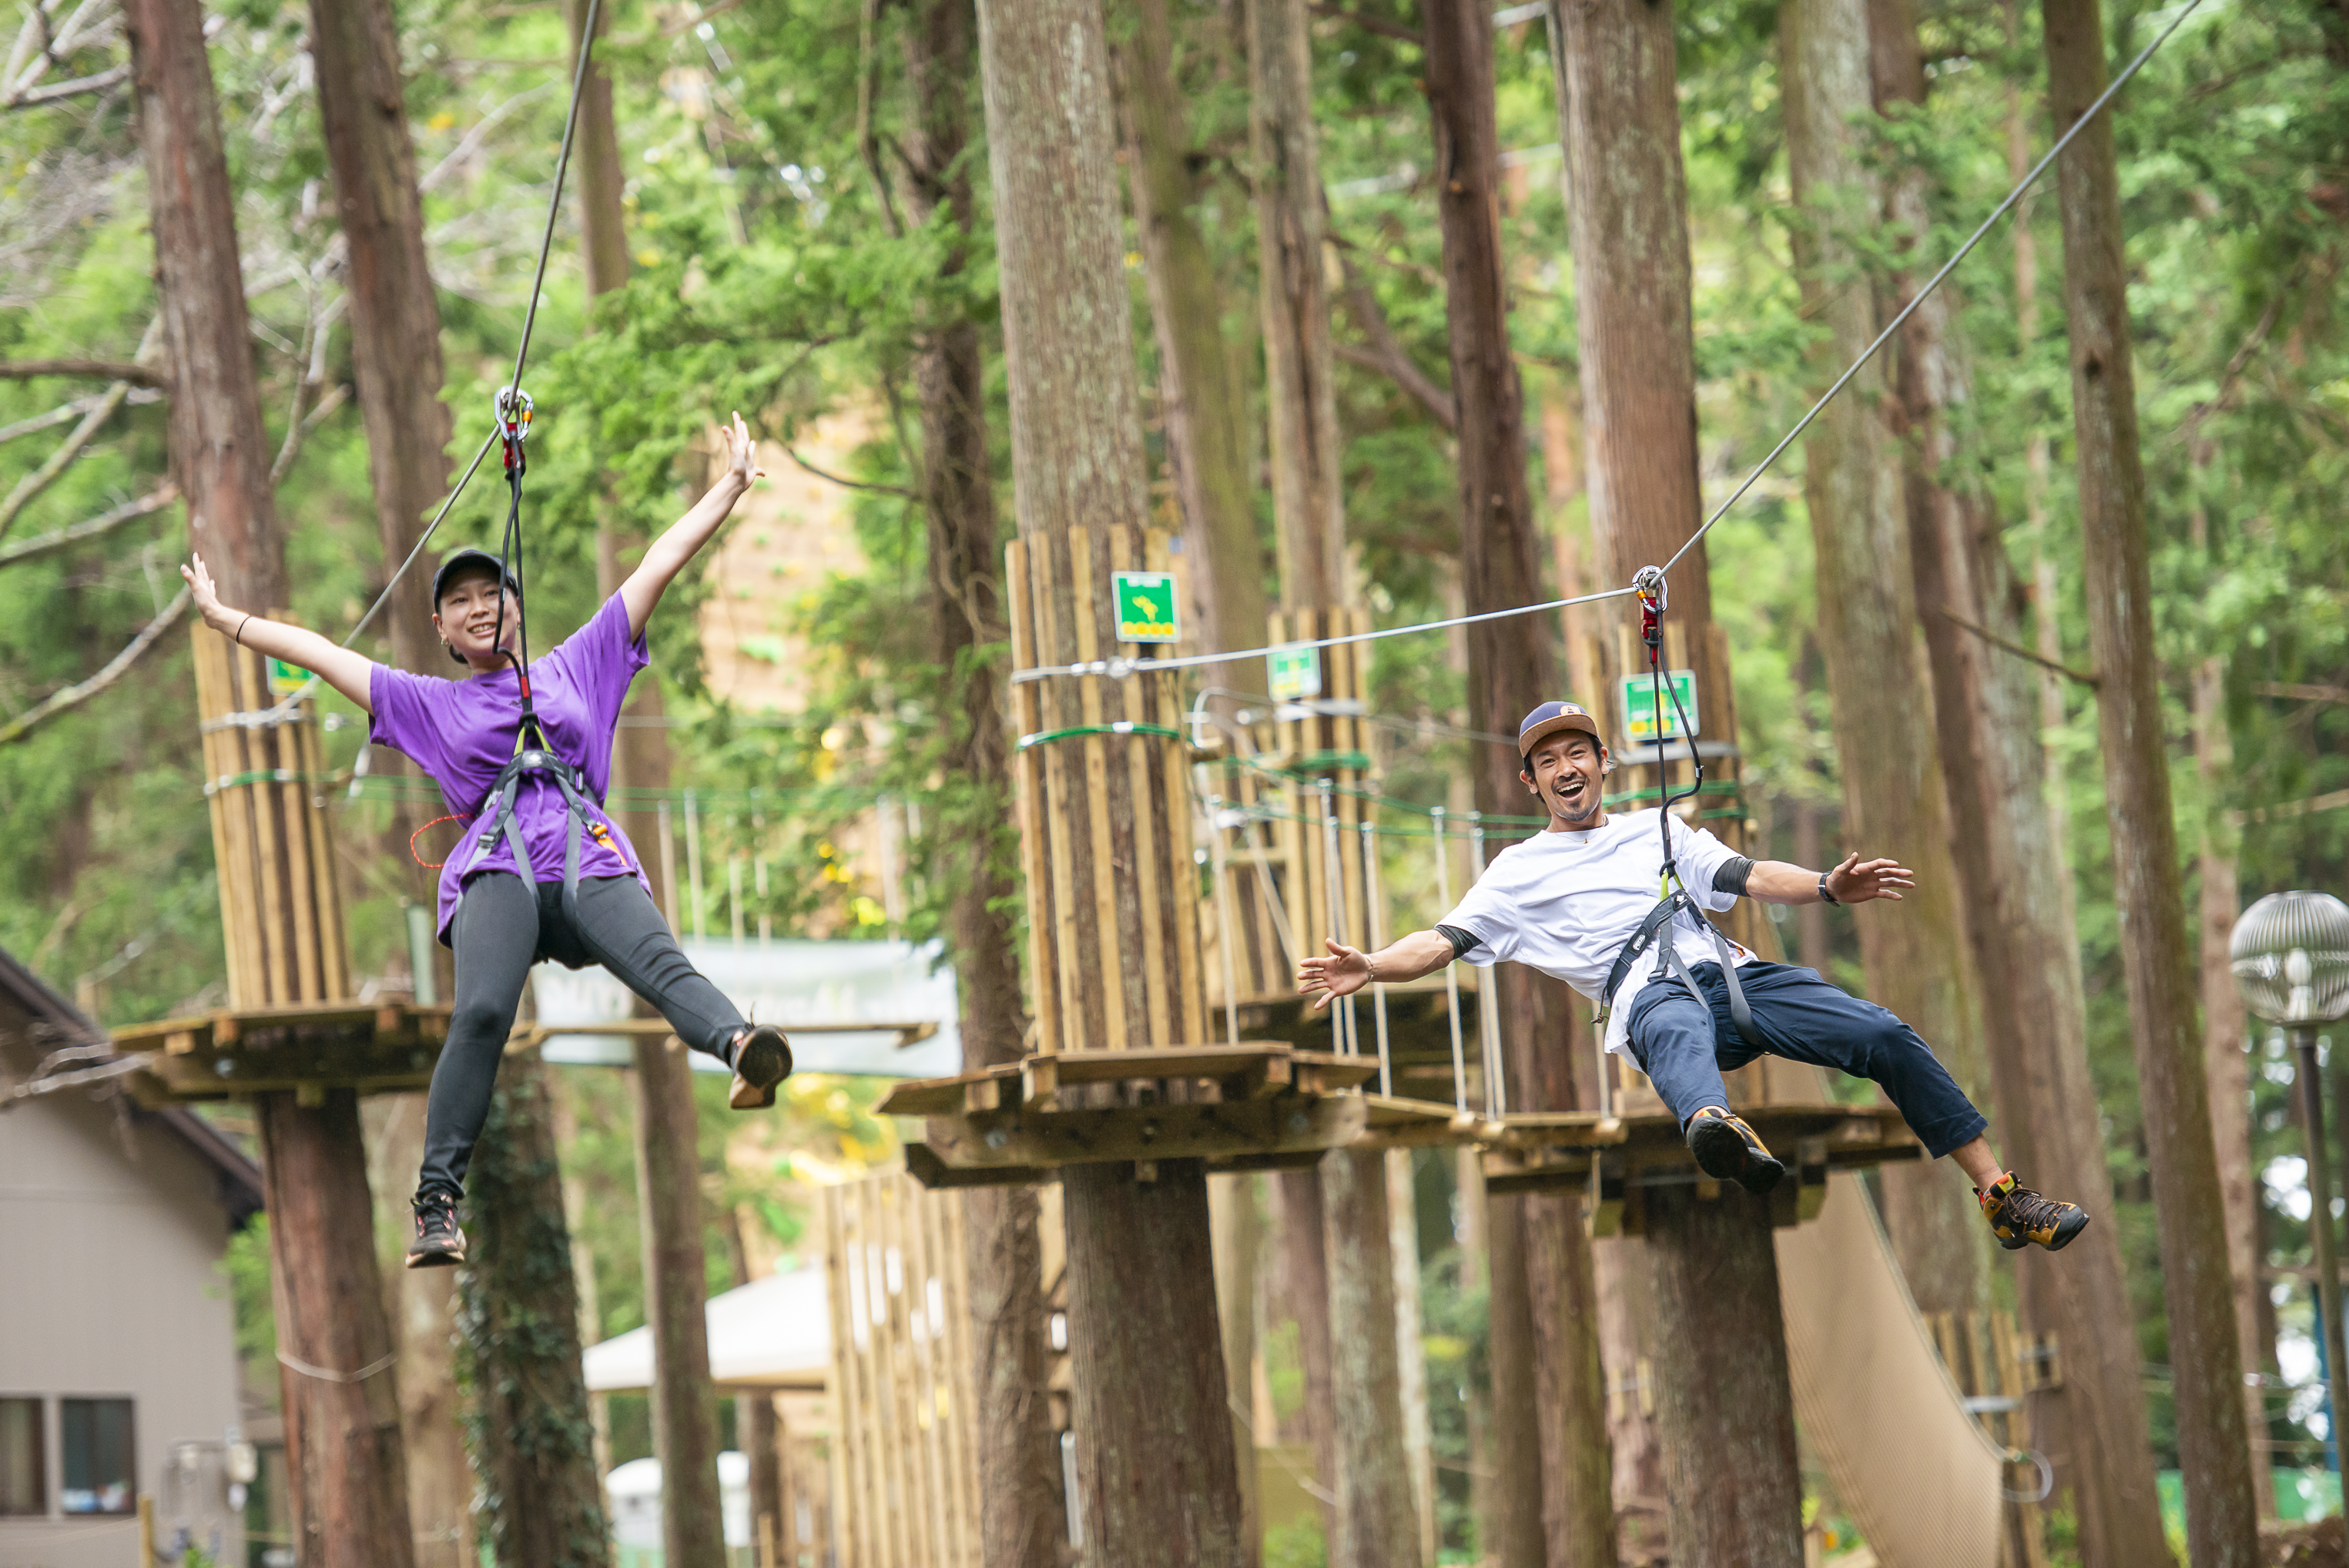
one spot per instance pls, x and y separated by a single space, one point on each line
467 617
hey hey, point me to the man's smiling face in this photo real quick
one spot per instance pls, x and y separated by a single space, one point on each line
1564 771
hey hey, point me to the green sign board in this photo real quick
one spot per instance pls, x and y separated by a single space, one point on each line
285 679
1145 606
1294 673
1639 706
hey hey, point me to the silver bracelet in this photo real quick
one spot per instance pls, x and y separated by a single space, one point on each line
1824 896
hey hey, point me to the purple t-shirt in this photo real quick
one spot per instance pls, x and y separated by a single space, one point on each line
462 732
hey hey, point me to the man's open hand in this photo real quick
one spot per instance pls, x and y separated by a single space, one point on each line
1344 972
1855 881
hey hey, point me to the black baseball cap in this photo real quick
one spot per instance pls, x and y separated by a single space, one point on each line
458 561
1549 718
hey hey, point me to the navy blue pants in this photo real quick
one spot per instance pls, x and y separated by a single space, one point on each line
1685 1043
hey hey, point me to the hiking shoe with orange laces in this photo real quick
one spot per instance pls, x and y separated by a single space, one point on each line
439 1242
2020 1217
1728 1151
761 1057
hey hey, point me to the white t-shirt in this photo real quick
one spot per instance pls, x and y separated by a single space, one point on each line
1567 903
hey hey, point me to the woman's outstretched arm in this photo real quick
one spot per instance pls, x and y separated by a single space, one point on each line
688 535
347 672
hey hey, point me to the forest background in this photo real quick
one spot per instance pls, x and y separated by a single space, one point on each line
774 269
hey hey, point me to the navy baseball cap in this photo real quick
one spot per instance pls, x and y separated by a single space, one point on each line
457 561
1551 718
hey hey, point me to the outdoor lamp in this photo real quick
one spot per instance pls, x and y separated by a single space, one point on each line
2289 954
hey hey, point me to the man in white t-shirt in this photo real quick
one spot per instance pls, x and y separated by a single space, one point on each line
1580 901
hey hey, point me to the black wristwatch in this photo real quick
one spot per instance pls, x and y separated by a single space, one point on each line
1825 895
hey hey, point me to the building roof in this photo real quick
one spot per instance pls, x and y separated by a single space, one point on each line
49 1022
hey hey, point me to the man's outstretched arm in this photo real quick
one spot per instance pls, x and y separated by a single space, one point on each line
1854 881
1346 970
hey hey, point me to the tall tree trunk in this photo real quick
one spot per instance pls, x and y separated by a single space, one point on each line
1305 1291
1202 394
1914 952
534 1444
1235 1216
1376 1525
346 1467
669 1177
2221 1521
1308 505
396 357
2019 917
1021 1506
1154 1456
2225 1058
1411 1354
1627 208
422 1306
1728 1423
757 1433
1510 670
685 1402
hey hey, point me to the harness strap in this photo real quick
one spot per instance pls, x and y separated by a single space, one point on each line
1667 960
580 819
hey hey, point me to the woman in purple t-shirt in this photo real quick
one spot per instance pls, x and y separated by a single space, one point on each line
542 872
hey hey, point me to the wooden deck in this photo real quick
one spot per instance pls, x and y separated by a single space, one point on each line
308 1047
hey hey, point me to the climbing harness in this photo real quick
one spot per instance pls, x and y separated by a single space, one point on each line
1655 930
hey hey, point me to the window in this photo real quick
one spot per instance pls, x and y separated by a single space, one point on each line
98 1475
24 1472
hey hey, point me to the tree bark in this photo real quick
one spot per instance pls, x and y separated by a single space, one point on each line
602 182
1411 1354
2227 1060
220 456
1020 1469
1203 397
1914 952
757 1431
684 1404
345 1466
1305 1291
1377 1527
1510 670
1155 1457
1308 503
1511 1531
1723 1406
421 1305
2221 1521
1235 1218
2007 846
1716 1273
534 1445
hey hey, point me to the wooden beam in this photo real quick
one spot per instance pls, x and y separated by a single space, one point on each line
1034 1137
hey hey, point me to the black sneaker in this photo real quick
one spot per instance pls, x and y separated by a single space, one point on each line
761 1059
1728 1151
439 1242
2020 1217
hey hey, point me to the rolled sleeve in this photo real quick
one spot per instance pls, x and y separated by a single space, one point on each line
1700 856
1491 918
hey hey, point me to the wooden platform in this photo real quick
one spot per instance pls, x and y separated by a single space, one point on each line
1245 1107
303 1047
1610 1160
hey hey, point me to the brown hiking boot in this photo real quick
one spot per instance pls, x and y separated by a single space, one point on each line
1728 1151
761 1057
2020 1217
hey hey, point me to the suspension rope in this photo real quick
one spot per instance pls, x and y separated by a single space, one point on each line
1120 668
521 355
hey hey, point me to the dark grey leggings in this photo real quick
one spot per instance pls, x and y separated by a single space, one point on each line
502 926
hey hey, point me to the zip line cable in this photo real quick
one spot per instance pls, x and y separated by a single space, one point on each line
283 709
1119 668
1910 309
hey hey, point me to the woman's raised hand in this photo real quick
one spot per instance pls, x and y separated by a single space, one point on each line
742 453
200 584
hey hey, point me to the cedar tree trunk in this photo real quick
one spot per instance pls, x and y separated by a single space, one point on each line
2157 954
1021 1506
684 1404
1154 1456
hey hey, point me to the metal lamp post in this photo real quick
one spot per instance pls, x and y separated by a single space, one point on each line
2289 954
